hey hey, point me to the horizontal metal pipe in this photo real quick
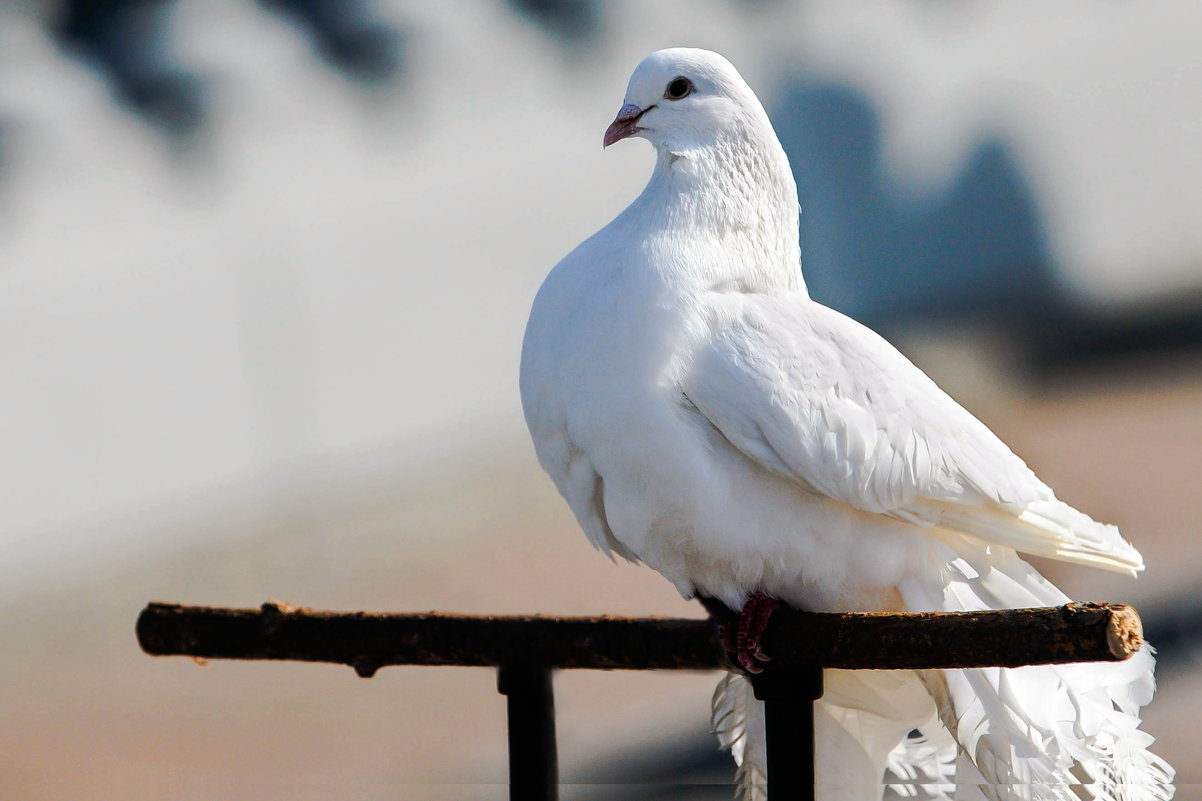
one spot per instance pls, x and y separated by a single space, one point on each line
368 641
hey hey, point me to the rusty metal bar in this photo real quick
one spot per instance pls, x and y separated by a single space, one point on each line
527 648
368 641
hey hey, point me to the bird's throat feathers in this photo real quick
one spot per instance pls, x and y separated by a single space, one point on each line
725 212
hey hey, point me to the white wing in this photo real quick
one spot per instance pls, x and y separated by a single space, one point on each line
812 395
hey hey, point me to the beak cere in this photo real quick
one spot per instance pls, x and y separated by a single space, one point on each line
624 124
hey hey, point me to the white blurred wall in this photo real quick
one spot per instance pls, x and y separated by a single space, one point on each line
335 275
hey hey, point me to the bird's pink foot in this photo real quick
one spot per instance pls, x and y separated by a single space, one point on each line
753 621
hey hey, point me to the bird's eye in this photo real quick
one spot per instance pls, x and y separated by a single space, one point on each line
678 88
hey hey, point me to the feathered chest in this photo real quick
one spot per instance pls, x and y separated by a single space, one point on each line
599 341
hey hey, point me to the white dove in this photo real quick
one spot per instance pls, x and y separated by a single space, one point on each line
700 413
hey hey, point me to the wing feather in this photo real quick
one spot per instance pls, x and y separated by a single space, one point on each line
816 397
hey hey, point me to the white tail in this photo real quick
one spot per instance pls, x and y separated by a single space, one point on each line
1041 733
1048 528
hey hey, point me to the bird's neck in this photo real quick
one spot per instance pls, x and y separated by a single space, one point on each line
733 204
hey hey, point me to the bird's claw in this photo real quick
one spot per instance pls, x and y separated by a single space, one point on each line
753 621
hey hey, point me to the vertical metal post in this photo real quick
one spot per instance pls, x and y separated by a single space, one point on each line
533 763
789 697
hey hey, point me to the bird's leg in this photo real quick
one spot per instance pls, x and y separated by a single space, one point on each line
753 620
740 632
723 616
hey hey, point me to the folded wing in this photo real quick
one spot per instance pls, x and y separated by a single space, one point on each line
816 397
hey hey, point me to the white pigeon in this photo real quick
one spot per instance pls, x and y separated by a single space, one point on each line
700 413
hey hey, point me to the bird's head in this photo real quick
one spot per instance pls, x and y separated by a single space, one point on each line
684 98
720 172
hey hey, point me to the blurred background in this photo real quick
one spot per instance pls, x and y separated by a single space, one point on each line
264 270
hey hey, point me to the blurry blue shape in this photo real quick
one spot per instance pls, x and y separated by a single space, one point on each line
129 42
976 250
571 21
350 34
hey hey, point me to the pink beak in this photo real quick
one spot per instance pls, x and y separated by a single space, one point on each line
624 124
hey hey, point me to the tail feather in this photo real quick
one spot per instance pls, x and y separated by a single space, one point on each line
923 766
1039 733
738 721
1049 528
1045 732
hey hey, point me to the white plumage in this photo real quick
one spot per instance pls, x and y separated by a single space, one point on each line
700 413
